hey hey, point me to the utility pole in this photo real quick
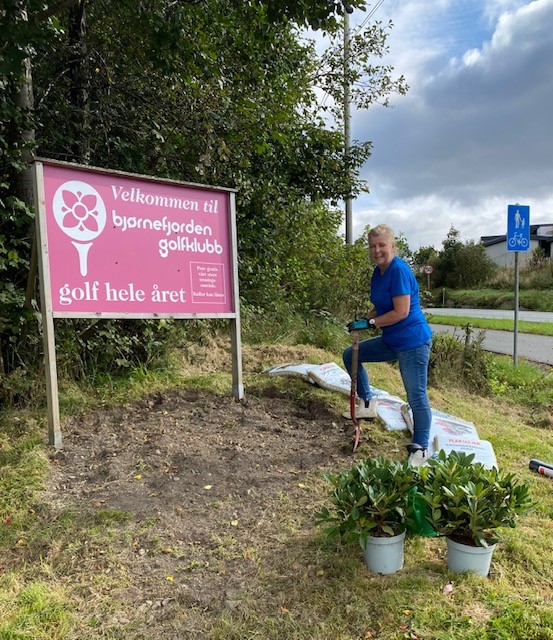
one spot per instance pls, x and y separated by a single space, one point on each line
347 127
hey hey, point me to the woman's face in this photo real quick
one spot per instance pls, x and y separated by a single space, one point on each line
381 250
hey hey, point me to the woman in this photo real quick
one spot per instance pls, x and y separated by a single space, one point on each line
406 337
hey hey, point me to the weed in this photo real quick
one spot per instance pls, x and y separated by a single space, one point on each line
460 360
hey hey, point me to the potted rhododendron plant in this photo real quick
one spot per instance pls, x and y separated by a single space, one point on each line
370 505
469 504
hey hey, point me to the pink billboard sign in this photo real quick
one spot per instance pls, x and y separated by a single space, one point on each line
120 244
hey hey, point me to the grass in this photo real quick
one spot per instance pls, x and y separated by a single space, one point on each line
540 328
313 589
36 610
59 577
488 298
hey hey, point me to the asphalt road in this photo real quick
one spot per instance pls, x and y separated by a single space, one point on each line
530 316
529 346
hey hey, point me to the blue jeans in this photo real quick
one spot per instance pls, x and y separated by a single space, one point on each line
413 366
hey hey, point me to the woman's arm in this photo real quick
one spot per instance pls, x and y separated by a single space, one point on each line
402 304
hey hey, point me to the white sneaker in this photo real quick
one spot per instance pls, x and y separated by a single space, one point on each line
417 455
362 412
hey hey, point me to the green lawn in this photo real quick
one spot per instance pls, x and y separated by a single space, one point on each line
304 586
540 328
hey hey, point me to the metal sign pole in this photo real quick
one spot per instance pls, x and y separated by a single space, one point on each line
515 333
517 239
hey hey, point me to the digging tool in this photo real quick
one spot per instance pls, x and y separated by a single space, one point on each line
353 391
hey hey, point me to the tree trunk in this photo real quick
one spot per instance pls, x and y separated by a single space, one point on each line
23 138
79 91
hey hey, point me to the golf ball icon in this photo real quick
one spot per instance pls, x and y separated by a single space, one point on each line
81 214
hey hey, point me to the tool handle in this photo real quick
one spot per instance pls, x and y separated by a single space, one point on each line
536 464
353 391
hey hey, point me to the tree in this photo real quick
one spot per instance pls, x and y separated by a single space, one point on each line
317 14
367 83
424 255
207 91
445 269
462 265
473 266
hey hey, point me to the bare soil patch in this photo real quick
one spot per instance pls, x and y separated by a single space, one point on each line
200 478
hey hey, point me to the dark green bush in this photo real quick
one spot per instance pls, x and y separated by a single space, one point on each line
470 502
369 499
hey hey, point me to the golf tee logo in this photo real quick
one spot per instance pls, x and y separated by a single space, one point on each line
81 214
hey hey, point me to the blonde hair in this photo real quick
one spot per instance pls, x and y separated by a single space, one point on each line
383 230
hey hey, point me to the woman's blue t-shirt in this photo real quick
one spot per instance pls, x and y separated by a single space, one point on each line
398 280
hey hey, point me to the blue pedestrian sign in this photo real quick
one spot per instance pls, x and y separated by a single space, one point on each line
518 227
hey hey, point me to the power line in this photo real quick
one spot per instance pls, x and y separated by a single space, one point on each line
371 14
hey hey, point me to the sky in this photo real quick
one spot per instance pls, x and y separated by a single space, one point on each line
474 133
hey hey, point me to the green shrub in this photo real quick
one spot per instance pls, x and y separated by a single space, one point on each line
89 348
469 502
535 274
540 278
369 499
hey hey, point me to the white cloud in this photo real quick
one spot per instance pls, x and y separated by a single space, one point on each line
474 133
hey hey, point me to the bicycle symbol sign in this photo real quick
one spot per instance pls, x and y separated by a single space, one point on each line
518 240
518 227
